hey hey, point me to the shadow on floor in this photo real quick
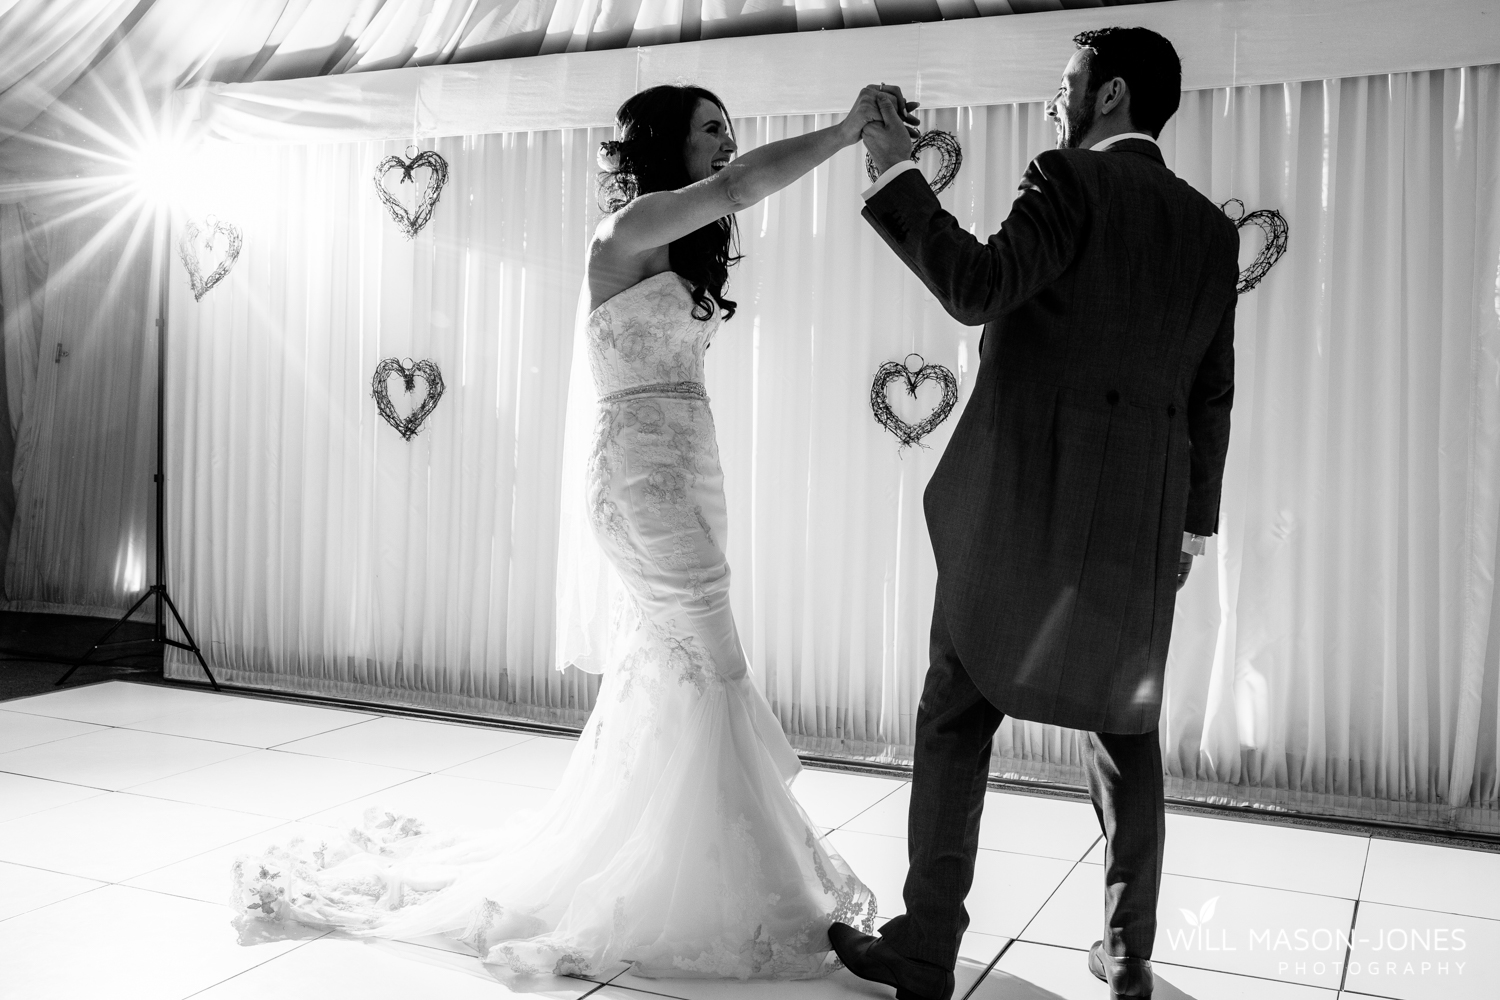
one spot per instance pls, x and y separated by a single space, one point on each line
36 649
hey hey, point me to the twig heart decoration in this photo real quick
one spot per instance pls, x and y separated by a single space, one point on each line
1273 226
950 157
913 377
192 260
412 222
427 371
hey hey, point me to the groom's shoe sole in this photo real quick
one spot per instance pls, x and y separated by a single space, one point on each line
1137 983
869 957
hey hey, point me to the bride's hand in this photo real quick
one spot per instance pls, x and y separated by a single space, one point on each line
866 111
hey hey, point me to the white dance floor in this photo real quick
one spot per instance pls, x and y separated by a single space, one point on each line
121 806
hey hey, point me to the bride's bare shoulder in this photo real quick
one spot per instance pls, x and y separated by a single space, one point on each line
612 268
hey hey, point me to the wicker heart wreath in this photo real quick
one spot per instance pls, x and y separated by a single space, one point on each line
950 157
913 377
409 373
187 249
1273 225
412 222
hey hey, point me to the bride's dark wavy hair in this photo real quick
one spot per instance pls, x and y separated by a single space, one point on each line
650 155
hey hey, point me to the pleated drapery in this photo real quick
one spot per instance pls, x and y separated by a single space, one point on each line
1337 651
79 363
314 547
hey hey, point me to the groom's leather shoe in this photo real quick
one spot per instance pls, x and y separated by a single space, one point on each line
870 957
1127 977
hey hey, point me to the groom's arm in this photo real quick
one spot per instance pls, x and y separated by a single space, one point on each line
1209 402
978 282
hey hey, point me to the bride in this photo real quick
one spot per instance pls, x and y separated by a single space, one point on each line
673 842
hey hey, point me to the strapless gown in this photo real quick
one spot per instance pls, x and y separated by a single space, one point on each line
673 841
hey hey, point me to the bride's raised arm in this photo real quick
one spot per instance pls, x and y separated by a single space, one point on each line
656 219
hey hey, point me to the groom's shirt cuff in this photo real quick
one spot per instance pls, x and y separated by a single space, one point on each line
887 177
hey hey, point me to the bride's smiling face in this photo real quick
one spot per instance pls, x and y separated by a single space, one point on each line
710 142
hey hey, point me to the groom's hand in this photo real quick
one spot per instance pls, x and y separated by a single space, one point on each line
866 111
889 139
1184 567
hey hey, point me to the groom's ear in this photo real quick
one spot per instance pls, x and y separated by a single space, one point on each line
1113 97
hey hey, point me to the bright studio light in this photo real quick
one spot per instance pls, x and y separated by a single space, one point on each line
161 172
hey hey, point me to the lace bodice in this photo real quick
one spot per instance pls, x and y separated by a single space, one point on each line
647 335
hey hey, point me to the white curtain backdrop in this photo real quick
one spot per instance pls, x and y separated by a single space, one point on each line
314 549
80 382
1338 650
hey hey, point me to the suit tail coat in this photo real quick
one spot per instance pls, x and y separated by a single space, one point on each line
1096 430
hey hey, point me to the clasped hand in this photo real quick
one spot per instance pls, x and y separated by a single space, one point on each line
886 121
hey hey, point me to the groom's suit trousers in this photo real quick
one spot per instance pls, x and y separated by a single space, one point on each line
955 725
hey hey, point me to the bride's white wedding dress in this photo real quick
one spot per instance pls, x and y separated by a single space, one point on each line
673 841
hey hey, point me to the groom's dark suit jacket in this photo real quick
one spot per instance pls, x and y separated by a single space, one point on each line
1096 430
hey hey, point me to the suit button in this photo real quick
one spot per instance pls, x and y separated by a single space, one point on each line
1171 411
1112 396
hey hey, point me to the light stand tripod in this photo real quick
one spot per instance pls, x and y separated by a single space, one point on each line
158 589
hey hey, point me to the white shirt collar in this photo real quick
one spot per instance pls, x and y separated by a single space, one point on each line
1104 144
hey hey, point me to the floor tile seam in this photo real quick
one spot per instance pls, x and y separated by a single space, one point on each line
456 763
1167 964
175 895
176 802
313 756
637 989
597 987
135 728
193 857
307 817
54 871
43 715
1429 909
245 749
63 899
55 781
899 785
1178 965
1243 975
59 739
1364 871
121 788
138 728
1362 898
296 947
492 781
1247 885
487 781
325 732
282 748
1175 965
1018 936
988 968
83 722
992 850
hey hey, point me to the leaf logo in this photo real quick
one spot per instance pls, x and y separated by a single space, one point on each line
1204 915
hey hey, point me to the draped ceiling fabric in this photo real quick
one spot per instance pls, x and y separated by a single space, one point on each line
47 46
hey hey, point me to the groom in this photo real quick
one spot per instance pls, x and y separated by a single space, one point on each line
1078 485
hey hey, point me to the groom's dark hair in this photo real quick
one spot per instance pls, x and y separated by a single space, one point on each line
1147 63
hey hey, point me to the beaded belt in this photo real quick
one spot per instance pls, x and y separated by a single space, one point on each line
679 390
